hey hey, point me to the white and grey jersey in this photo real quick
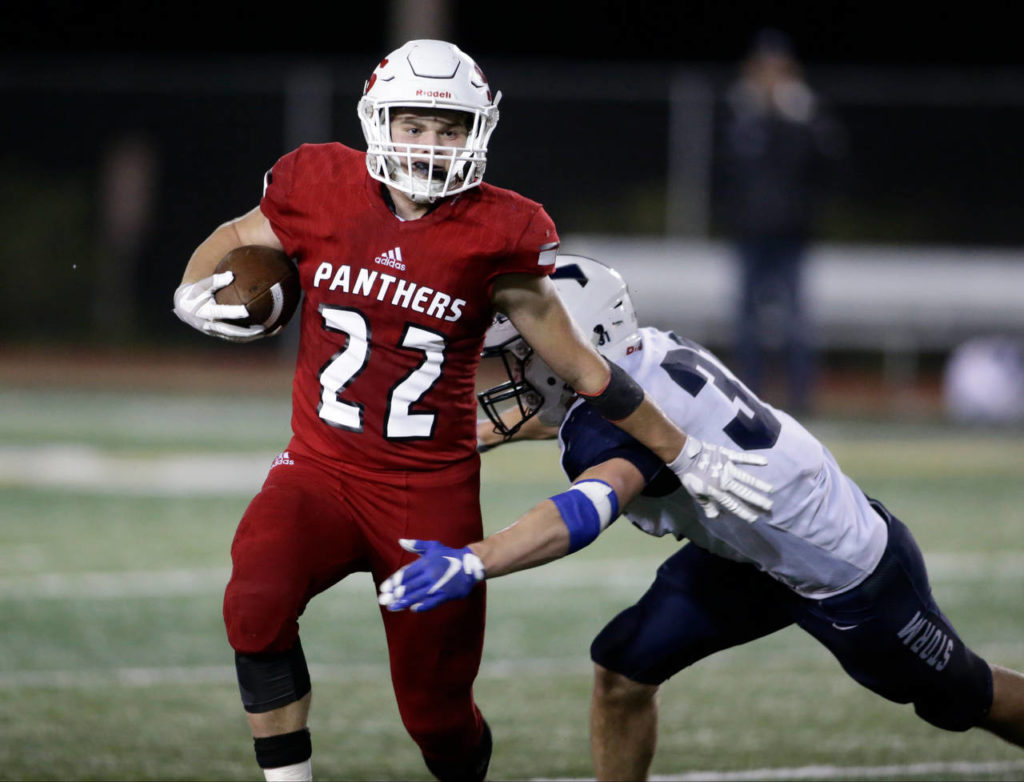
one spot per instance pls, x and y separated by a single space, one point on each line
821 537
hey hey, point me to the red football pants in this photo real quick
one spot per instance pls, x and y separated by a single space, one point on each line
312 524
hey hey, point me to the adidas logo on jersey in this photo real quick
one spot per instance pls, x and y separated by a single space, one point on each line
283 458
392 258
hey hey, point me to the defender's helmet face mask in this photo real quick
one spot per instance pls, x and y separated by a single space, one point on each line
598 300
426 74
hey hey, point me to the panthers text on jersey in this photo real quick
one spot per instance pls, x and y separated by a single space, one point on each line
821 537
394 312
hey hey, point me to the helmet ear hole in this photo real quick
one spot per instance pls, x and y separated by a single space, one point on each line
597 298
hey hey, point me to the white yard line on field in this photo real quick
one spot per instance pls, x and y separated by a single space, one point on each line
114 585
927 770
512 669
85 468
611 574
225 674
969 769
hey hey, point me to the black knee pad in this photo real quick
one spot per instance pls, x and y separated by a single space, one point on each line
270 681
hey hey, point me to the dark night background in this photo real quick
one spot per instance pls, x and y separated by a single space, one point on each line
643 30
932 97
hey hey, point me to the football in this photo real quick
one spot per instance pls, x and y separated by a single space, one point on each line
266 282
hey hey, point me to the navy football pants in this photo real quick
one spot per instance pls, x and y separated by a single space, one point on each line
887 633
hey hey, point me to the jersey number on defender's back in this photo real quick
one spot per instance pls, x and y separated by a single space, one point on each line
401 423
691 367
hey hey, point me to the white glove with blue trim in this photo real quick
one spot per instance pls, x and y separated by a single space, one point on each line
439 575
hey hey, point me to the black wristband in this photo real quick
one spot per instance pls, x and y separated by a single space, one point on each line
620 398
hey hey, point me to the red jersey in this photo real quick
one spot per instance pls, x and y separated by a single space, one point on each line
394 312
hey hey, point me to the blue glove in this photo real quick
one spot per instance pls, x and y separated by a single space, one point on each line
439 575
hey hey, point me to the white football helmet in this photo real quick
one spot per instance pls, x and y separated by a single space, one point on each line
598 300
427 74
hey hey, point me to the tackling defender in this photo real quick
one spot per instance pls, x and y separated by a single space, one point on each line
404 256
828 558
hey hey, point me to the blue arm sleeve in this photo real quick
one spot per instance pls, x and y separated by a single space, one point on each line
587 509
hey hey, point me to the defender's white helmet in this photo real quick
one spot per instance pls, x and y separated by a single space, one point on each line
428 74
598 300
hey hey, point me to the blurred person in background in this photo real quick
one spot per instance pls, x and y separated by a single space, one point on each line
779 155
983 382
826 558
404 255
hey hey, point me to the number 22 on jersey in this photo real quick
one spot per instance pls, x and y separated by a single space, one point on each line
401 423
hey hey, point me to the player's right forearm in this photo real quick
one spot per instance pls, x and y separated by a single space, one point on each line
251 228
208 254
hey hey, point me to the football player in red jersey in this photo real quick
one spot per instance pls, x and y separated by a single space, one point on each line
404 257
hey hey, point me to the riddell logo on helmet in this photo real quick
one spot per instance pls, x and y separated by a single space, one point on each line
434 93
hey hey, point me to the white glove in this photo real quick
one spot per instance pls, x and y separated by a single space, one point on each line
195 305
710 474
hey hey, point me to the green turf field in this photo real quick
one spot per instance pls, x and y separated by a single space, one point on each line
117 513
